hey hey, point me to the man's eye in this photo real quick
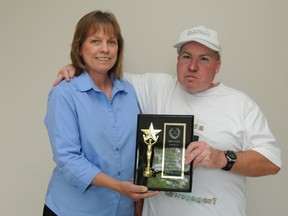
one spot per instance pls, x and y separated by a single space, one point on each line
185 56
204 59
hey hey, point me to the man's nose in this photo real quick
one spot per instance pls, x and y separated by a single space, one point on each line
193 65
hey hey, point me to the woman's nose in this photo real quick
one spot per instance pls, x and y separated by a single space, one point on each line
104 47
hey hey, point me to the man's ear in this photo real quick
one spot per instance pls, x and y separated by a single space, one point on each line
218 66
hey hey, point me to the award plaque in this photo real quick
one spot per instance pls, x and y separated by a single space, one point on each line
160 152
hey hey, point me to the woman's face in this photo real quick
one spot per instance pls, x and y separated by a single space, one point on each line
99 51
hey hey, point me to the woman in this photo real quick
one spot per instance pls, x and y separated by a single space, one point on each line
91 122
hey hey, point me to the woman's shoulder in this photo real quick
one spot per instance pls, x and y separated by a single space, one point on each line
64 89
126 85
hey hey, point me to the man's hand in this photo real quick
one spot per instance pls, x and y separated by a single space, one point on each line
204 155
66 73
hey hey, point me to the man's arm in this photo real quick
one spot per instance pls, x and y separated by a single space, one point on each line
249 163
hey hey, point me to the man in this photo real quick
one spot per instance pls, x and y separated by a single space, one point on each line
234 138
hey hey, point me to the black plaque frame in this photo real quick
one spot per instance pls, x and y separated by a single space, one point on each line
174 133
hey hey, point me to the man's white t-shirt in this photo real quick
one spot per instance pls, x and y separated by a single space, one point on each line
224 118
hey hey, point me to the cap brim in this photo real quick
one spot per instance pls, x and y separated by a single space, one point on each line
210 46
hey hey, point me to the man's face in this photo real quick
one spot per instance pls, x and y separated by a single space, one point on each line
197 66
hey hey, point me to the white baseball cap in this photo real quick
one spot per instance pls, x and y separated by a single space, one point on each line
201 34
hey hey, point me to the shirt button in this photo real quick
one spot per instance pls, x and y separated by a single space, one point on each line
117 149
119 173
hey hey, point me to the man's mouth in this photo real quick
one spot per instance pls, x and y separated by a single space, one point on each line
191 77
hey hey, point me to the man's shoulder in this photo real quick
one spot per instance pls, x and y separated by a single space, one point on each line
234 91
148 75
238 96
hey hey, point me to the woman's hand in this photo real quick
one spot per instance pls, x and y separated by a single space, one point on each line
135 192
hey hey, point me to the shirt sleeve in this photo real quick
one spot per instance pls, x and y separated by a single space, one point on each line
62 125
259 136
146 86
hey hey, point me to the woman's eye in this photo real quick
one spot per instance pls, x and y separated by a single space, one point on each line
113 42
95 41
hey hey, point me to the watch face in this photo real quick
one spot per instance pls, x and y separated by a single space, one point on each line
231 155
231 159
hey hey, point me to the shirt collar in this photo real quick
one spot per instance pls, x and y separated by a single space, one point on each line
84 83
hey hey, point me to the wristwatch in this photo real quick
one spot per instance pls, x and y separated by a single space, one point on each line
231 159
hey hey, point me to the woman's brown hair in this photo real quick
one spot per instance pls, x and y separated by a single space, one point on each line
96 20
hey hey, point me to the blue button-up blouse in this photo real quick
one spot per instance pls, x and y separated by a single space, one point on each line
90 133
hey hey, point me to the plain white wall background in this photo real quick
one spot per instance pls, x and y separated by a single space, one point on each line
35 44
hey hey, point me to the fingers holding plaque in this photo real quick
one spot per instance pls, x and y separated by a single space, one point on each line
160 152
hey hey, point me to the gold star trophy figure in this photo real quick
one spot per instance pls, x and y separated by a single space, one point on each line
150 139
